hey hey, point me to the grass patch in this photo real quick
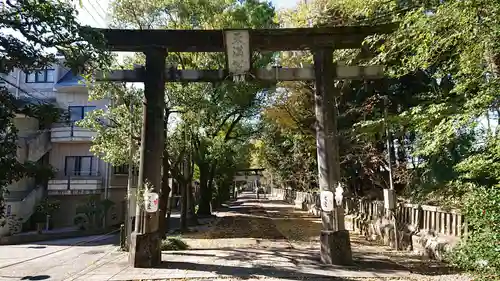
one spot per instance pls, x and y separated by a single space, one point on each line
173 244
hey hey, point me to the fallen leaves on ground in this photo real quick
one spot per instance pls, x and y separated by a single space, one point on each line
257 225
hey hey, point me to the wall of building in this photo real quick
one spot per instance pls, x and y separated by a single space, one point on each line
21 185
42 87
77 97
61 150
64 216
117 212
38 90
26 126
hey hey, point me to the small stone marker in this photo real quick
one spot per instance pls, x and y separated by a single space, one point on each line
389 199
151 202
326 201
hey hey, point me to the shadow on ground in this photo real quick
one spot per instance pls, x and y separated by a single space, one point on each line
422 265
313 270
34 277
97 240
303 257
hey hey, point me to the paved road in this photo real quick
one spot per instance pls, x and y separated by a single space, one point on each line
69 257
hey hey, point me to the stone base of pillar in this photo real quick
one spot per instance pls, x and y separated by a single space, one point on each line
336 247
145 250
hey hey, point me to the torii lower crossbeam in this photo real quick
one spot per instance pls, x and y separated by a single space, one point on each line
343 72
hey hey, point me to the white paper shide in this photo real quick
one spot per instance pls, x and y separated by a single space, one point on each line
151 200
326 201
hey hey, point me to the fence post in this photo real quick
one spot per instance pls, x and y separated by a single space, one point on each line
420 218
466 229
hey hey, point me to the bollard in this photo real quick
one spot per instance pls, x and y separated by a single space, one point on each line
123 238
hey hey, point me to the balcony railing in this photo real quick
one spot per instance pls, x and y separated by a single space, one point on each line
80 174
76 183
68 132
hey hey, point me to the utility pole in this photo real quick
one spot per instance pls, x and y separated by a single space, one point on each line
131 192
390 194
335 241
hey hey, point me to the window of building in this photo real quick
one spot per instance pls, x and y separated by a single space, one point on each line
40 76
79 112
79 166
123 170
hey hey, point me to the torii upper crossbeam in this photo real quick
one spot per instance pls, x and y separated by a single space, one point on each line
284 39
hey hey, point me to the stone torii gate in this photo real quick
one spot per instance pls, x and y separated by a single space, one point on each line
239 45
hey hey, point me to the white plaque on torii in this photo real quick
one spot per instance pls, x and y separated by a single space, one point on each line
238 52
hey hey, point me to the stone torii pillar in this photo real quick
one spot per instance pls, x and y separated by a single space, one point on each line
145 250
335 242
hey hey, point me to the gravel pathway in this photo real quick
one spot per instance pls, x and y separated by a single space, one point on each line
274 225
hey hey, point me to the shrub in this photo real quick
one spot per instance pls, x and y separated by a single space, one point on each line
173 244
481 250
81 221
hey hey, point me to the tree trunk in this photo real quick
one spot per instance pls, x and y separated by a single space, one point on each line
205 192
392 149
192 219
223 192
218 200
211 180
227 191
170 203
184 206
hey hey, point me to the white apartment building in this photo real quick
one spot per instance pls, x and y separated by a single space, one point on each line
66 147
